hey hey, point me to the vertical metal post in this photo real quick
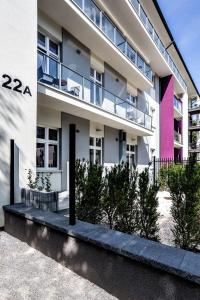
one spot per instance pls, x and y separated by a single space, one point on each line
72 158
154 169
12 172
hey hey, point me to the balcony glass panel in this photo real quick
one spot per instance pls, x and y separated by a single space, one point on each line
120 41
92 11
140 63
148 71
71 82
108 28
135 4
131 53
79 3
143 16
178 104
150 28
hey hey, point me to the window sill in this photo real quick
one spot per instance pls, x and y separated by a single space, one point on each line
38 170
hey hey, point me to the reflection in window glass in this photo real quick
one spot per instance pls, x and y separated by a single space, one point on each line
108 28
78 2
98 142
53 134
41 40
53 47
40 132
143 16
40 155
98 156
135 4
52 156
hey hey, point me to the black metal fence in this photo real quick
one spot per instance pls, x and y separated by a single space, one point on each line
158 163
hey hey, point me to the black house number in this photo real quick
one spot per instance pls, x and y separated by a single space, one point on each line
18 87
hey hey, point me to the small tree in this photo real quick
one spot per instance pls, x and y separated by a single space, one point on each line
147 207
184 185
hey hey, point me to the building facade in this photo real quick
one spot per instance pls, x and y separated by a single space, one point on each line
109 66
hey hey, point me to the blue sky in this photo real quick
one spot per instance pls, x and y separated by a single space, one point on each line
183 18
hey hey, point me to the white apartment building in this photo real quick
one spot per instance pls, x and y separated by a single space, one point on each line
109 66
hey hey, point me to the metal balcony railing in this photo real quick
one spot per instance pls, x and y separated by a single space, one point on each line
59 76
157 41
178 104
177 137
102 21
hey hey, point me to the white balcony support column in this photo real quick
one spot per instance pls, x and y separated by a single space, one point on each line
185 124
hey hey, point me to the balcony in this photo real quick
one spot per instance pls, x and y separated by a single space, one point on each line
58 76
178 114
92 27
194 107
194 147
157 41
194 125
177 139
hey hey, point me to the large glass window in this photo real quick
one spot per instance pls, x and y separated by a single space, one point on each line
47 148
131 155
96 87
95 149
48 58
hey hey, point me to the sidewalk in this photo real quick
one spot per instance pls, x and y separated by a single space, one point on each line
27 274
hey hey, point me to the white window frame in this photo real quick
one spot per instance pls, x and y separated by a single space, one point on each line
129 153
46 143
94 148
130 97
96 83
47 51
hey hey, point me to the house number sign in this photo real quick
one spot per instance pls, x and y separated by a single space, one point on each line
15 85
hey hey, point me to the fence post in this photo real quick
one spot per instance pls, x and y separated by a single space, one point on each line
72 158
154 169
12 172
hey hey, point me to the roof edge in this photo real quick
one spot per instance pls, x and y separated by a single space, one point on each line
155 2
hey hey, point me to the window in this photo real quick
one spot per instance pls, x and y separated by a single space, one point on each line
48 56
131 155
95 149
131 99
96 87
47 148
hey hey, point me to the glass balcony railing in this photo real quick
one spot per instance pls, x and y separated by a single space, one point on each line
102 21
178 104
177 137
143 17
57 75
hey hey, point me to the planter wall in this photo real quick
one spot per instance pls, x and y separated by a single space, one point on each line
43 200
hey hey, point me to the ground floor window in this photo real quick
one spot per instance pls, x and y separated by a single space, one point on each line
95 149
47 148
131 155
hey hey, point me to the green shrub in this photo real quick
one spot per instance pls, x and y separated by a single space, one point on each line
119 199
89 188
184 185
163 177
147 207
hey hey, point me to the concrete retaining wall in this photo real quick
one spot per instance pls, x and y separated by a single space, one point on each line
126 266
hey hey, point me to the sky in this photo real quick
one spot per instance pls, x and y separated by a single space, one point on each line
183 19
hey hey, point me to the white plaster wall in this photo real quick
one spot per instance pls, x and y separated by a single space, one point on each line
18 31
185 124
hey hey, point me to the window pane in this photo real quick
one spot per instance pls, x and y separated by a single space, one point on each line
41 40
91 155
98 142
91 141
40 153
53 47
53 156
92 72
99 77
127 147
120 41
40 132
53 68
132 160
143 16
53 134
98 157
108 28
132 148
